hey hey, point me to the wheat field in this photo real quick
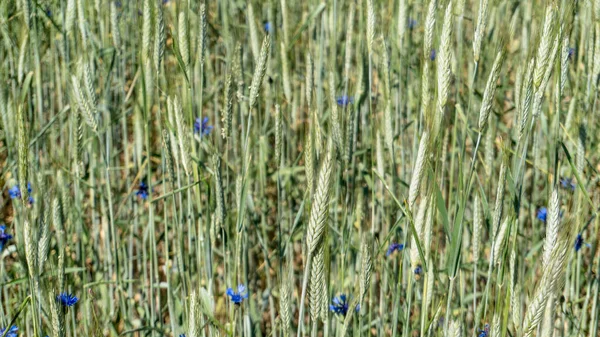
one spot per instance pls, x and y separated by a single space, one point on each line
299 168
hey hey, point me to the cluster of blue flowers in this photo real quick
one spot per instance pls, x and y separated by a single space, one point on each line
143 191
393 248
12 332
202 127
15 193
344 100
4 237
578 242
268 27
485 332
339 305
568 183
237 297
542 214
67 300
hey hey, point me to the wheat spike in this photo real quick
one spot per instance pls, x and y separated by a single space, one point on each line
182 39
23 149
348 49
309 80
429 283
195 330
285 72
389 126
44 237
564 63
309 162
159 37
182 137
70 16
419 220
490 90
335 118
366 270
81 22
278 134
499 198
259 72
443 66
114 25
227 118
480 28
30 248
515 304
415 182
26 8
317 271
58 326
477 226
220 194
285 309
22 54
427 231
167 146
146 28
370 26
429 28
402 20
89 85
202 34
526 94
580 160
320 205
552 226
253 32
543 53
84 105
499 242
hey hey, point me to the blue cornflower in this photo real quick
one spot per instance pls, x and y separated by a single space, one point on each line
578 242
412 23
182 335
118 4
418 270
571 52
165 2
202 127
142 191
541 214
239 296
14 192
267 26
66 299
12 332
339 305
485 332
4 237
345 100
30 199
394 247
568 183
432 54
48 12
